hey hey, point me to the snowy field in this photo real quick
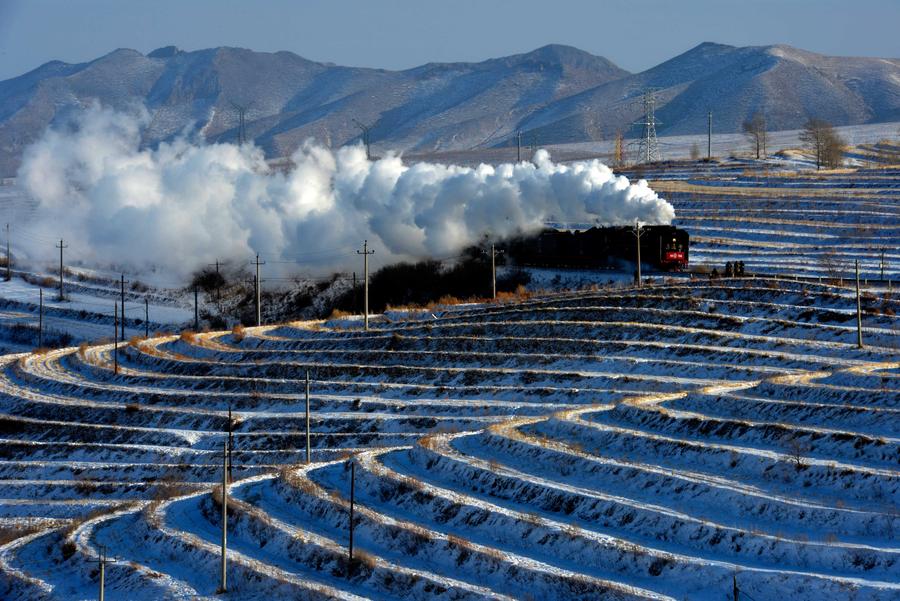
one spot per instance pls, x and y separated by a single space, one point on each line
615 443
670 442
794 223
87 314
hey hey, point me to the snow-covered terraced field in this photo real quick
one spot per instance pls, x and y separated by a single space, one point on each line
795 223
666 443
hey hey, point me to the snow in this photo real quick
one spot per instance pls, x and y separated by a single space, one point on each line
663 442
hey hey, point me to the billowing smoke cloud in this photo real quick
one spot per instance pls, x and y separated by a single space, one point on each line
186 204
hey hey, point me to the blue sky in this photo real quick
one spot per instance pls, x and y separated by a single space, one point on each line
396 34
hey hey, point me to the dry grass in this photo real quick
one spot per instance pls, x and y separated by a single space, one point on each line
364 559
338 314
9 534
238 333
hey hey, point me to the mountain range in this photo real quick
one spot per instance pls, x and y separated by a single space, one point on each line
555 94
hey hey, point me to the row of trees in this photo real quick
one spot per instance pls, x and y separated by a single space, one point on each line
818 136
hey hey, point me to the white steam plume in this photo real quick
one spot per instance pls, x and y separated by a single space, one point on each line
184 204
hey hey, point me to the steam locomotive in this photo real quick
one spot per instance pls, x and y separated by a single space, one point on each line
665 247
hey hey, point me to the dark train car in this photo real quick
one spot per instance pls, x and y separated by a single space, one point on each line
663 246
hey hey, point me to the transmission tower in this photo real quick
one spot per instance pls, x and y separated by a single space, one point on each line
242 130
648 148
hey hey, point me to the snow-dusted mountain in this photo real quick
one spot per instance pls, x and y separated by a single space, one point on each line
786 84
553 94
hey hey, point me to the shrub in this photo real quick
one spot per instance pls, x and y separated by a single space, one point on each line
68 549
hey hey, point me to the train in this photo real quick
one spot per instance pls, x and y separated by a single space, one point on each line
664 247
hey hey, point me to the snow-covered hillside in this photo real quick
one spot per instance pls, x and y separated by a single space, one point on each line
672 442
667 443
554 94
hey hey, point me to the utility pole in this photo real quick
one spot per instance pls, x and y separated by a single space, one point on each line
494 254
352 501
223 583
258 311
102 558
61 246
8 256
146 317
230 445
518 146
637 231
365 252
116 339
859 337
197 310
709 135
41 318
123 308
494 272
218 295
365 138
307 417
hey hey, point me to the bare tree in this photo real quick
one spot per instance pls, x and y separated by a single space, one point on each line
835 147
796 449
824 143
755 130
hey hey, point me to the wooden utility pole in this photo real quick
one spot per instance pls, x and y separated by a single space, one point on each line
223 583
41 318
307 418
8 256
123 308
61 246
101 560
518 146
216 264
258 309
352 501
146 317
709 135
365 252
229 429
197 310
494 252
638 232
116 339
859 337
494 272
